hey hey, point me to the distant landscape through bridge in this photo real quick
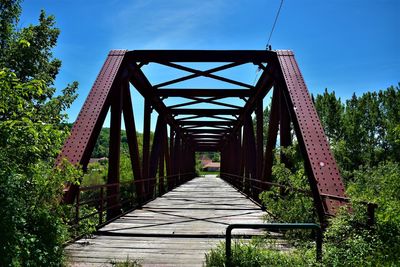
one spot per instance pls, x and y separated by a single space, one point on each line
200 208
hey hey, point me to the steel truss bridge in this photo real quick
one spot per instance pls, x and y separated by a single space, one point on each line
181 130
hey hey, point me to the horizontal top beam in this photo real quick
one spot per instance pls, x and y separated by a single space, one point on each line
189 111
207 149
206 123
207 143
181 92
201 55
207 140
206 131
212 136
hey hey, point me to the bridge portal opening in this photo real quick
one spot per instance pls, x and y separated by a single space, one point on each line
201 102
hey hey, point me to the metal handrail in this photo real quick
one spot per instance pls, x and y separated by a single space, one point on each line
102 199
273 226
94 187
269 183
371 207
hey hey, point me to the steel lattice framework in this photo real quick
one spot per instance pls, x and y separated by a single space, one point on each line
228 129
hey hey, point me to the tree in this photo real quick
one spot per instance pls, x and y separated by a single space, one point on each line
9 14
390 112
28 54
364 130
33 224
330 111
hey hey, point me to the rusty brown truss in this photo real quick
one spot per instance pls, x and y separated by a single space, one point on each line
228 129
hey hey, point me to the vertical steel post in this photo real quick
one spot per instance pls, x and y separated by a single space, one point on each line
77 207
113 198
242 158
132 141
146 145
260 137
167 153
155 156
101 208
172 157
271 136
177 158
250 153
238 157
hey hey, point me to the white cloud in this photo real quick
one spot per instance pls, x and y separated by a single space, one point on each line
165 24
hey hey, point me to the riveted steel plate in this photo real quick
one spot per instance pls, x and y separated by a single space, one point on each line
322 163
82 131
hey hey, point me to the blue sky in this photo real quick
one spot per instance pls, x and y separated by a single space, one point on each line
346 46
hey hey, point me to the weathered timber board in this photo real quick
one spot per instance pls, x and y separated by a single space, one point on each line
176 229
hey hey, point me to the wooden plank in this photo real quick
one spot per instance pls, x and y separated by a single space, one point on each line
176 229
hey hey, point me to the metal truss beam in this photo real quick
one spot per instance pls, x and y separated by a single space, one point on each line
251 56
207 73
229 130
205 112
204 92
206 123
320 164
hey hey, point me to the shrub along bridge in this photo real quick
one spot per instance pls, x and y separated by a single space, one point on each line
196 205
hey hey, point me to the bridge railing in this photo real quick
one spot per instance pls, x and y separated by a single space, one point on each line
96 200
252 188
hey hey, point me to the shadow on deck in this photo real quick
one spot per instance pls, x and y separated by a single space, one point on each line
176 229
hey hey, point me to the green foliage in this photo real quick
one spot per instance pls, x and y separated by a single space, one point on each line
364 134
33 224
379 185
27 52
9 16
348 241
330 110
214 156
290 204
364 130
87 226
201 173
29 127
255 254
127 263
96 173
101 148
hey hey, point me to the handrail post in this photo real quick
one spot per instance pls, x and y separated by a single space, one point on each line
101 205
371 213
77 207
228 245
319 244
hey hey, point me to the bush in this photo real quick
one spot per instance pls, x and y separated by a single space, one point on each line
348 240
292 204
256 254
379 245
127 263
33 224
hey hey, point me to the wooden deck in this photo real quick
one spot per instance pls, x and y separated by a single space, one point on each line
176 229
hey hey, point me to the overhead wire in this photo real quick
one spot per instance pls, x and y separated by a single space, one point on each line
269 38
273 26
